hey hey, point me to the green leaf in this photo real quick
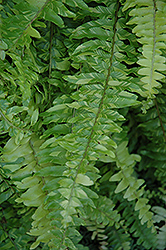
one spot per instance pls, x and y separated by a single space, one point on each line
57 107
28 182
51 171
116 177
146 217
79 193
51 185
143 211
159 210
75 202
35 244
70 244
38 4
33 32
76 3
32 193
6 195
84 180
34 117
2 55
65 182
90 193
122 185
3 45
39 213
75 105
140 203
65 192
33 203
51 16
19 137
63 65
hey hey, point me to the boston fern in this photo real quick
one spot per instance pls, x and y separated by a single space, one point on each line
82 124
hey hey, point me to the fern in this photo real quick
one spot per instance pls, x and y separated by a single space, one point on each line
148 16
160 216
75 77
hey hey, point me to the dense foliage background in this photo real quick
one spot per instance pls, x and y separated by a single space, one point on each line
82 124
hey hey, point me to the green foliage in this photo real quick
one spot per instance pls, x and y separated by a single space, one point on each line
82 128
160 217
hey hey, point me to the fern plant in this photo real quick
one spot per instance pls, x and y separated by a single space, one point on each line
81 90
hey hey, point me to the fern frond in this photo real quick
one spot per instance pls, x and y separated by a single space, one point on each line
21 171
15 219
118 239
160 216
140 232
126 163
149 18
153 125
103 222
87 141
